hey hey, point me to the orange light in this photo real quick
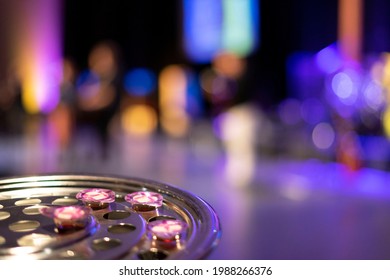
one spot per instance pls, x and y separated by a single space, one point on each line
175 120
139 120
350 29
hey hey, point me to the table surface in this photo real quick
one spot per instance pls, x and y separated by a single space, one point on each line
287 209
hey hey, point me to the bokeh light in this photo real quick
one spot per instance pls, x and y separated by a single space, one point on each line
313 111
140 81
289 111
38 53
88 83
323 136
173 100
343 86
373 96
237 128
328 59
139 120
219 26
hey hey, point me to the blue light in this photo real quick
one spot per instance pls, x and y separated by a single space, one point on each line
87 77
202 29
194 104
211 27
140 82
87 83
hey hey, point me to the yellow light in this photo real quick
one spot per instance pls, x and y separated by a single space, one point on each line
386 121
139 120
238 131
175 122
386 72
29 99
173 90
173 86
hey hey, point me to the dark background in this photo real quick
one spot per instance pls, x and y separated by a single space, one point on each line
149 33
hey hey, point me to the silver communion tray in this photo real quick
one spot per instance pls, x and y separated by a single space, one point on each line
115 232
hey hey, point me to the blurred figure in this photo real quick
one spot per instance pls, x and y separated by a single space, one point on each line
10 101
138 115
348 149
173 90
239 128
223 82
99 91
12 113
62 118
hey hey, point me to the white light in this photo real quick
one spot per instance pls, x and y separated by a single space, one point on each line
344 86
374 96
323 135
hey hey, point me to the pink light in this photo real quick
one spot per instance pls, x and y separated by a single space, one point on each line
39 53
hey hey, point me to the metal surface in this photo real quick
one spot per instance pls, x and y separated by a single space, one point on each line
116 232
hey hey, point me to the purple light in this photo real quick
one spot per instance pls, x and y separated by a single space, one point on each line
289 111
48 53
305 80
313 111
217 125
328 59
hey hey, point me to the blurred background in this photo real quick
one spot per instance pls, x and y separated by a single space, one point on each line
275 112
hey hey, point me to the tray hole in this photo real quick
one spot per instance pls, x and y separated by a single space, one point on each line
121 228
65 201
71 255
4 215
22 226
105 243
159 218
153 254
2 240
116 215
119 198
25 202
35 239
33 210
